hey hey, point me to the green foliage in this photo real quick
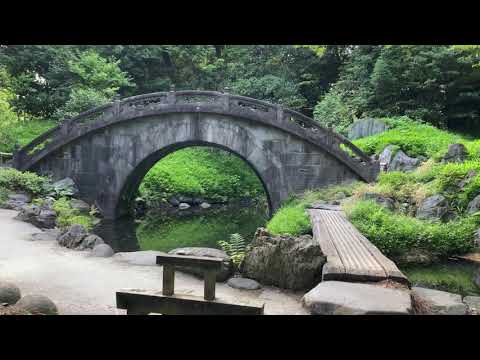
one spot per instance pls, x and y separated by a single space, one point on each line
206 172
395 233
3 195
452 277
235 248
333 112
290 220
15 180
67 216
81 99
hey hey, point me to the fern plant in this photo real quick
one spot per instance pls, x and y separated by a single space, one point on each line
235 248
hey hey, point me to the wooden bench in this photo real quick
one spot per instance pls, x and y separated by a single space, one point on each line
350 256
138 302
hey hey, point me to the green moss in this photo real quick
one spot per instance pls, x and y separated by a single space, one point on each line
67 216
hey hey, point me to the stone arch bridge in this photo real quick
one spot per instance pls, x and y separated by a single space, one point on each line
109 149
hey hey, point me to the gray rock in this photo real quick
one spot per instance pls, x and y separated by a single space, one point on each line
9 293
366 127
79 205
455 153
470 175
47 235
90 241
243 283
402 162
477 238
205 205
73 237
148 257
343 298
46 219
37 305
284 261
102 250
174 201
65 187
28 213
16 201
440 302
23 197
47 203
385 157
183 206
185 199
473 304
474 205
227 267
432 208
197 201
380 199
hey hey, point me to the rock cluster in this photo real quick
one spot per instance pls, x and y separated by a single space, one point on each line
10 295
284 261
77 237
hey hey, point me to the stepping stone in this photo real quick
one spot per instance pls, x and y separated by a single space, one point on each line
344 298
9 293
473 303
243 283
37 305
440 302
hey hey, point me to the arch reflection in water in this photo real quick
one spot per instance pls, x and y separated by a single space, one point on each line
166 230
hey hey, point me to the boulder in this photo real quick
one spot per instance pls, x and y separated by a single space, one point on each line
197 201
9 293
183 206
174 201
284 261
477 238
470 175
440 302
432 208
46 219
65 187
227 266
402 162
366 127
28 213
37 305
344 298
185 199
102 250
455 153
47 203
79 205
73 237
243 283
474 205
380 199
385 157
89 242
205 205
148 257
16 201
473 304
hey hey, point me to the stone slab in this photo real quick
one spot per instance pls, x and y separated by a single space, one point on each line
344 298
440 302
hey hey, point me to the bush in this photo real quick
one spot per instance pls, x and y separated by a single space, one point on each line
209 173
332 112
395 233
15 180
290 220
67 216
81 99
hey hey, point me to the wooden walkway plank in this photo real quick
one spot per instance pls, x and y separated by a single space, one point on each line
350 255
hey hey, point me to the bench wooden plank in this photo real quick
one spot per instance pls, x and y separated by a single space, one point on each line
350 255
202 262
145 303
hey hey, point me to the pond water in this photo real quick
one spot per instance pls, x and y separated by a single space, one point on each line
453 276
164 230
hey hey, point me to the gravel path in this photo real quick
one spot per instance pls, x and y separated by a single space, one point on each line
79 284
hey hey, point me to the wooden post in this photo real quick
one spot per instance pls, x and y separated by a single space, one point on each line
210 278
168 279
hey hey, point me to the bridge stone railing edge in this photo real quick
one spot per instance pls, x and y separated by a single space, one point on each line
219 102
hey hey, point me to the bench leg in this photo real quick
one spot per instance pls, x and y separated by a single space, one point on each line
168 280
210 278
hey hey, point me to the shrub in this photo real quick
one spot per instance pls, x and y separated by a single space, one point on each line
235 248
67 216
395 233
15 180
290 220
332 112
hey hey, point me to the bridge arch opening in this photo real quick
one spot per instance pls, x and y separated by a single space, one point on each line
137 176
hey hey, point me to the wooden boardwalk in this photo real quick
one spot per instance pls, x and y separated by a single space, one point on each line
350 256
